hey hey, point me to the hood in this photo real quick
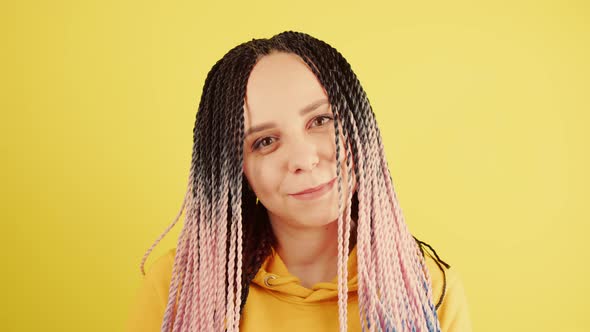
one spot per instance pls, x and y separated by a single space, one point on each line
274 276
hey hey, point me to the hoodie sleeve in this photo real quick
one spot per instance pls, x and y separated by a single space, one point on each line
453 313
147 309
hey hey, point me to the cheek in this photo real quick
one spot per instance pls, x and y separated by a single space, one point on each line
263 176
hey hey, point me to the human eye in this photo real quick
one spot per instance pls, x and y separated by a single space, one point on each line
259 143
323 119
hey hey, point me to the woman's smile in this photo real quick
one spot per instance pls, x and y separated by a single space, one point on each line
315 193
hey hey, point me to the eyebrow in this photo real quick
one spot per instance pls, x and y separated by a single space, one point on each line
309 108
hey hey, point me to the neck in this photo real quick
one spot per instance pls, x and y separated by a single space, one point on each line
310 253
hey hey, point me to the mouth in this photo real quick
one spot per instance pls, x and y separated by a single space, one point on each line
315 192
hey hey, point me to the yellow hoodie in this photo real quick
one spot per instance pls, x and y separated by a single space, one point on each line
278 302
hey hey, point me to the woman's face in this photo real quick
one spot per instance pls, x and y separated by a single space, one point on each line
289 145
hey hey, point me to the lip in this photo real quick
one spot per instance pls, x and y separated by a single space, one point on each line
315 192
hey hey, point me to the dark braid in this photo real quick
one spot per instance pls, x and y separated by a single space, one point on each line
243 67
438 262
258 242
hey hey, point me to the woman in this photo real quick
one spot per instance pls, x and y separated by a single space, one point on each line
292 222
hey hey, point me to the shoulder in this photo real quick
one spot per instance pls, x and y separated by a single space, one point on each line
147 310
448 292
159 273
162 265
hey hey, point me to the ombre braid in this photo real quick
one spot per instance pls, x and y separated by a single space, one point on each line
227 231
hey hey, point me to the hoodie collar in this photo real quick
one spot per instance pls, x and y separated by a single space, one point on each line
274 276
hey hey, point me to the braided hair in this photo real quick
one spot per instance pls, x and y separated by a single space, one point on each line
227 231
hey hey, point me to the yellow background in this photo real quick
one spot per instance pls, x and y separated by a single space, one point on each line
483 106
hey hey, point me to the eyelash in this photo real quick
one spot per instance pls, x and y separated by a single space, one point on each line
257 146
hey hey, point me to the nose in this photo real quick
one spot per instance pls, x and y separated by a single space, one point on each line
302 156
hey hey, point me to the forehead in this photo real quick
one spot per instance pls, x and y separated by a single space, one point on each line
279 85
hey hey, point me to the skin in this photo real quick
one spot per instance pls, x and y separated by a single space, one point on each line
295 153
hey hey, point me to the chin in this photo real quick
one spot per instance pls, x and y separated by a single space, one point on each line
317 218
